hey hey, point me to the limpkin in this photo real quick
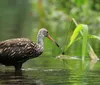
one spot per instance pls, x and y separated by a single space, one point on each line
14 52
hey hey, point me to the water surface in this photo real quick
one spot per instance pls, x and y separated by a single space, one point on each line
71 72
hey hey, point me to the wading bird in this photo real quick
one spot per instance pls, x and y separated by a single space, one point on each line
14 52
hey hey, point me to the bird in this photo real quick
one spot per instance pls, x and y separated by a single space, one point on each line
16 51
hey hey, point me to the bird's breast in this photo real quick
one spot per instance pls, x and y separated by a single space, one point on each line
34 51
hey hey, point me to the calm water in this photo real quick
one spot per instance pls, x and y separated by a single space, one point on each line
71 72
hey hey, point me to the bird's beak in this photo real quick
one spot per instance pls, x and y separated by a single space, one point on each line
53 40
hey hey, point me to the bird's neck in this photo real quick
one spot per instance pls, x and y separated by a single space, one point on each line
40 41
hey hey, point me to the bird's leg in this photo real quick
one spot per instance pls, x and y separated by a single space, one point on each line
18 66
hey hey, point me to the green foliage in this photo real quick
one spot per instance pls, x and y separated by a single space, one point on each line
83 30
94 36
56 17
84 41
75 34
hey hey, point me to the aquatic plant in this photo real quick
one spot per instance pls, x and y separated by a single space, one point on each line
81 33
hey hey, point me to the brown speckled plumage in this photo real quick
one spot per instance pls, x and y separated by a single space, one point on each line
17 51
14 52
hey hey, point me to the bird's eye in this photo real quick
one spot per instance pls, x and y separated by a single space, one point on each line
47 31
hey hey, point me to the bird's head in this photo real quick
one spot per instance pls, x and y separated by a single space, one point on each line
44 33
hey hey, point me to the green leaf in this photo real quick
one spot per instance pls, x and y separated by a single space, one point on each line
94 36
84 40
83 30
75 34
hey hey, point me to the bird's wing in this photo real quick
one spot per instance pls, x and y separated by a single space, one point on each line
15 48
18 42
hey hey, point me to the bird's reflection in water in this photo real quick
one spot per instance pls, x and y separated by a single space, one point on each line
17 78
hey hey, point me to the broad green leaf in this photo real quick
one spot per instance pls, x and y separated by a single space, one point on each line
74 35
